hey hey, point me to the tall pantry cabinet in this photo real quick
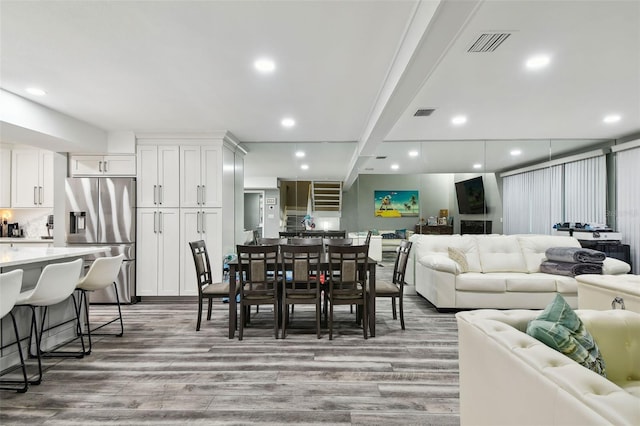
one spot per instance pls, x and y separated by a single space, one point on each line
189 172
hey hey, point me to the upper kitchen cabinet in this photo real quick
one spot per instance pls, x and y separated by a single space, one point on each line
158 175
201 176
31 178
5 177
102 165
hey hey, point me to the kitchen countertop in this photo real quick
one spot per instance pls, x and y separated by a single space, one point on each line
11 240
12 256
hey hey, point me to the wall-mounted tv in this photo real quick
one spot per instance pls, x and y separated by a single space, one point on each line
470 195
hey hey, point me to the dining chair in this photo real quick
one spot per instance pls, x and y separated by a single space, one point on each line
10 284
269 241
57 282
259 281
207 289
102 273
301 272
347 281
308 241
395 288
367 239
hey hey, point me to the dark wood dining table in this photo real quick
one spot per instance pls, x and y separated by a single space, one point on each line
324 264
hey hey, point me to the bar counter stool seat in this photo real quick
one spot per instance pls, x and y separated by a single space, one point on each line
56 284
102 273
11 282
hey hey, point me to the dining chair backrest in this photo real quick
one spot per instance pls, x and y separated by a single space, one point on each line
367 240
102 273
202 264
271 241
56 283
256 236
348 265
400 265
305 241
10 284
337 241
301 264
257 265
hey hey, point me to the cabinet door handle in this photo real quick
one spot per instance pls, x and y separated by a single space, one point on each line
100 166
155 222
198 222
198 194
35 195
160 194
105 166
40 193
155 189
204 229
160 225
204 196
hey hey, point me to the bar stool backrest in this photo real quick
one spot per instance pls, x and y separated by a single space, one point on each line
57 281
103 272
10 284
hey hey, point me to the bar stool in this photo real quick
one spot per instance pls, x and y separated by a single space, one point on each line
103 273
10 284
56 283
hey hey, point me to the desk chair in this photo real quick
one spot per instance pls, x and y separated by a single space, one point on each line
56 284
102 273
10 284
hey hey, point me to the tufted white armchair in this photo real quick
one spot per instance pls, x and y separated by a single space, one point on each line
507 377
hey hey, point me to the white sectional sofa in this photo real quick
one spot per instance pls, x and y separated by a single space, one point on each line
503 271
509 378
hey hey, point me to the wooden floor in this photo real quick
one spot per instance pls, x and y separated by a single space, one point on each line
164 372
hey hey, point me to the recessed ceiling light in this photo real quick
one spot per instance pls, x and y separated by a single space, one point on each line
304 166
36 91
459 120
477 166
264 65
515 152
395 167
413 153
288 122
300 154
612 118
537 62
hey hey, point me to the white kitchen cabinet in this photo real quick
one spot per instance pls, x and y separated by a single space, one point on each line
102 165
5 177
201 176
158 176
31 178
157 254
199 224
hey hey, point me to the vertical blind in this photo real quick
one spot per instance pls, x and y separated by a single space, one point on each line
628 201
532 201
585 191
571 192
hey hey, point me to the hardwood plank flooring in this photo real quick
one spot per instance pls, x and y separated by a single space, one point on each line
164 372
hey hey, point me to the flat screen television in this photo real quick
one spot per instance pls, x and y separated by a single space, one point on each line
470 195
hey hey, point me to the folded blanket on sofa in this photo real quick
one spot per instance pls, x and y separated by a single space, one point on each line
574 254
570 269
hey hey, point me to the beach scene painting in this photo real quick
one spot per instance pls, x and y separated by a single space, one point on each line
396 203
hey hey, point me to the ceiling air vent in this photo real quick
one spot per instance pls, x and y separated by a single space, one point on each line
488 42
381 157
424 112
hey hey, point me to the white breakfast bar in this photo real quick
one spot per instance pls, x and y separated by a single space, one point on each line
32 260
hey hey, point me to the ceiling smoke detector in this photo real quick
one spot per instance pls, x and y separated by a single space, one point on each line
488 42
424 112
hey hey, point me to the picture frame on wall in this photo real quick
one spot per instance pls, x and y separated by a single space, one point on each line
405 203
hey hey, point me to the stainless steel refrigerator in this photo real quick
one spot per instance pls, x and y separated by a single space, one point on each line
102 212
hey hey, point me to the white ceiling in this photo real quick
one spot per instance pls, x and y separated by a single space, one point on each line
351 73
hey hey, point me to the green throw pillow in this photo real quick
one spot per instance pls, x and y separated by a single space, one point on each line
560 328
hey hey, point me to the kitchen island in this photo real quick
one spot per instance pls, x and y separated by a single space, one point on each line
32 260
